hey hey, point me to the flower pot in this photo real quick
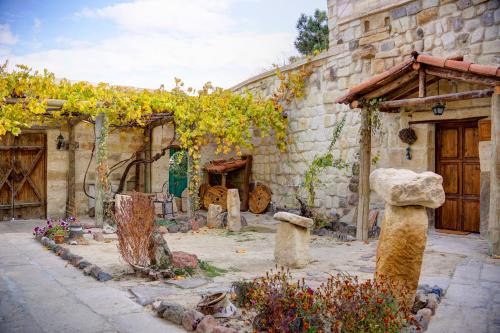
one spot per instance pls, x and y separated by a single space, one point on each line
59 239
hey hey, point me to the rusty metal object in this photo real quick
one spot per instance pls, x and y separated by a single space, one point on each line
216 195
259 199
408 135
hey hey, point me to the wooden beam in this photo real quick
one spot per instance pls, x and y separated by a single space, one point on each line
364 176
148 135
71 189
494 218
246 183
421 83
435 99
100 162
391 86
462 76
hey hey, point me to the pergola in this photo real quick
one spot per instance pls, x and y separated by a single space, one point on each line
407 85
148 122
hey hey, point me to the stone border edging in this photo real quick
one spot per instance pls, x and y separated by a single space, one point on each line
75 260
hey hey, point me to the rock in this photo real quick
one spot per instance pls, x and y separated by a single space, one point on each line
174 228
194 225
83 264
298 220
201 220
87 270
184 227
173 312
75 260
162 254
184 260
401 187
292 245
214 216
206 325
162 230
222 329
190 319
98 236
438 291
401 247
423 317
233 210
45 241
420 301
95 271
66 255
432 302
103 276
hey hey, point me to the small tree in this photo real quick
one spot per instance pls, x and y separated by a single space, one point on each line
313 33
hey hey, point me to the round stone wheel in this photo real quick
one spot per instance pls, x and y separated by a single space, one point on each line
259 199
216 195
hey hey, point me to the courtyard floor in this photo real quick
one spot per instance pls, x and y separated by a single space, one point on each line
40 292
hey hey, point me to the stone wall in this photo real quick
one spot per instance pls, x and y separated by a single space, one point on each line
366 38
121 145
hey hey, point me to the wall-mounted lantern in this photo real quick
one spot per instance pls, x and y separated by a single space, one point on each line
61 143
438 108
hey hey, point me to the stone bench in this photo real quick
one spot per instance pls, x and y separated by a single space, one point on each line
292 240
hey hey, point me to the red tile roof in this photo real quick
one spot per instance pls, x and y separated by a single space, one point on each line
406 66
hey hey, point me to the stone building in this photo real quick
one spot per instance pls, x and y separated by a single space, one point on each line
368 37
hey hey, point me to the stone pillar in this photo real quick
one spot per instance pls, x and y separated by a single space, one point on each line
101 181
494 220
214 219
292 240
233 210
403 234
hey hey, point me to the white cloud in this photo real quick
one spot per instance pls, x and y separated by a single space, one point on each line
149 60
6 36
172 16
195 40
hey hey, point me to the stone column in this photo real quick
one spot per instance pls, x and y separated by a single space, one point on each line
213 216
233 210
494 220
292 240
403 233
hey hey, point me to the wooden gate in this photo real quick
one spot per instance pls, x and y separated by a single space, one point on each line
457 160
23 176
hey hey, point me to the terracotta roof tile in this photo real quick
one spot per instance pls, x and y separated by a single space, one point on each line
452 63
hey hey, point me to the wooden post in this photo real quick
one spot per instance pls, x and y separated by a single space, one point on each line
147 156
189 209
101 184
364 176
494 219
421 83
70 200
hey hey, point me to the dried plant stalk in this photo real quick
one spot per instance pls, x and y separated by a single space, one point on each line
134 217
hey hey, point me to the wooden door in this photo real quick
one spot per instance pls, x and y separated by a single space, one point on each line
457 160
23 176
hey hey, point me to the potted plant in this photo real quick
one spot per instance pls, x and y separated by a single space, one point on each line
59 235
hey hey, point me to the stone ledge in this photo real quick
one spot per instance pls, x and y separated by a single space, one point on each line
76 261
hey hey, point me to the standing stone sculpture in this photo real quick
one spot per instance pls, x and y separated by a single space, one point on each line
403 233
233 210
292 240
214 217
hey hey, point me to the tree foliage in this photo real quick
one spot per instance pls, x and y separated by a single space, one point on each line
210 115
313 33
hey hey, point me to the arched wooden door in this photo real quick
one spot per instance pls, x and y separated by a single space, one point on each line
457 160
23 176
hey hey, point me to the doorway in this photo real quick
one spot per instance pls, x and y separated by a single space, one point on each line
457 161
23 176
177 177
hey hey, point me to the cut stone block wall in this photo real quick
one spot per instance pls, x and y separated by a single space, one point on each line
366 38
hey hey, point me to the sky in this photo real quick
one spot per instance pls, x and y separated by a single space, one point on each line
147 43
